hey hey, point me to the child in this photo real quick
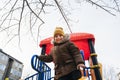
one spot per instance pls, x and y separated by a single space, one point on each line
66 57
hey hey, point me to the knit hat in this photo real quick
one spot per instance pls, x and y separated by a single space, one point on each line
59 30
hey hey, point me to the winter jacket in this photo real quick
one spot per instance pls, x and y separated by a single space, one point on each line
65 55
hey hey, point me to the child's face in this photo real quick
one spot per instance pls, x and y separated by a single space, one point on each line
58 38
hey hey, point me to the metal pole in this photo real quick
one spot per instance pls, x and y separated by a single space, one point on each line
41 75
43 49
94 60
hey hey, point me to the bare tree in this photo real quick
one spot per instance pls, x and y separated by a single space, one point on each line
110 73
15 11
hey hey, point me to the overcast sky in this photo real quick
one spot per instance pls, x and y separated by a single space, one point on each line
87 18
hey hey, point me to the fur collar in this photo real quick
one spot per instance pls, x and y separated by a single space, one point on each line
65 39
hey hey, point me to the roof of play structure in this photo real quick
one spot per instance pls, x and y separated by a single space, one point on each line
73 37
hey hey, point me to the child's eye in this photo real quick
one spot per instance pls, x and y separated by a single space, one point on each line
58 35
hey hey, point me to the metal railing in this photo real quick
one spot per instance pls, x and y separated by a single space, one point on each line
44 71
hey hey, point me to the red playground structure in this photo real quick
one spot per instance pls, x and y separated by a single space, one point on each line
85 42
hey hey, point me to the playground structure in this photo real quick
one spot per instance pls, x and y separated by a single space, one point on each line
85 42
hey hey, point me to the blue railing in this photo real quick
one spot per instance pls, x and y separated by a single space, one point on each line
44 71
33 77
86 69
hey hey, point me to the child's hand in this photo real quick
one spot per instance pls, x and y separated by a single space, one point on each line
80 66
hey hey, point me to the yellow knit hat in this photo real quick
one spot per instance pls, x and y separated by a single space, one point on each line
59 30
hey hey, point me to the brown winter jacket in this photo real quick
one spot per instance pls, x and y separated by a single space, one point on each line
65 55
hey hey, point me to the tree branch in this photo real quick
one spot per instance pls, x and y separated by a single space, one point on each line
101 7
63 14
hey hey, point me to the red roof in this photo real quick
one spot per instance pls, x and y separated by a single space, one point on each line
73 37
